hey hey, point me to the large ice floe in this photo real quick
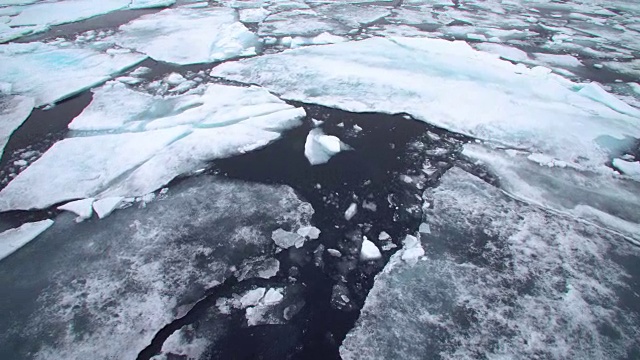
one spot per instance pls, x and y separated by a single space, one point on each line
501 279
145 141
450 85
102 289
189 36
49 73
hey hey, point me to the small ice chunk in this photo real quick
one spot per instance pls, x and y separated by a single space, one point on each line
334 252
252 297
351 211
319 148
630 168
412 249
286 239
174 79
310 232
104 207
141 71
424 228
384 236
253 15
82 208
13 239
369 205
369 251
272 297
598 66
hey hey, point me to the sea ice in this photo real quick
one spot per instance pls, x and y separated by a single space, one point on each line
286 239
502 279
189 36
299 23
369 251
67 11
319 148
145 4
127 276
310 232
104 207
14 110
351 211
507 103
13 239
83 208
631 168
50 74
82 167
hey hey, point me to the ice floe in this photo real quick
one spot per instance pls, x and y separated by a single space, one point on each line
157 138
369 251
503 102
83 208
49 73
128 275
189 36
13 239
502 279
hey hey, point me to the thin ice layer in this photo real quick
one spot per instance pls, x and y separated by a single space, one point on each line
50 74
448 84
502 279
82 167
14 110
189 36
101 290
13 239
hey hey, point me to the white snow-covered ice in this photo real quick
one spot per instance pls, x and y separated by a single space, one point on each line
14 110
189 36
320 148
13 239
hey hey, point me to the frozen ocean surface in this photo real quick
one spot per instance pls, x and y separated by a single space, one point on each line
319 179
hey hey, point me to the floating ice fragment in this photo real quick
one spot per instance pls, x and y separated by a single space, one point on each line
286 239
369 251
595 92
104 207
319 148
630 168
310 232
174 79
351 211
424 229
13 239
82 208
334 252
384 236
412 249
252 297
272 297
146 4
62 12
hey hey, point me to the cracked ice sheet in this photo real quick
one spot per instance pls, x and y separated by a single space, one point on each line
211 122
14 110
300 23
186 36
502 280
13 239
101 290
81 167
448 84
601 198
50 74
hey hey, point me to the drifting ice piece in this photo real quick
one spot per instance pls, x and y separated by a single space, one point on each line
351 211
631 168
145 4
104 207
310 232
189 36
287 239
83 208
319 148
62 12
369 251
50 74
13 239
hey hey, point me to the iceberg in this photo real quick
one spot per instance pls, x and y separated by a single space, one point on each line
50 74
189 36
427 78
14 110
502 279
13 239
